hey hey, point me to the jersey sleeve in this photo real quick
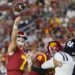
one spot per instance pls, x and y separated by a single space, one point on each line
48 64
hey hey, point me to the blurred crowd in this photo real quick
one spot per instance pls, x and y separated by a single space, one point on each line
53 20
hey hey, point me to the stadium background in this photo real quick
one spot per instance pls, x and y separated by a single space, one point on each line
44 21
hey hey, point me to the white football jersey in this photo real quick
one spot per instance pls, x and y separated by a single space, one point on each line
67 64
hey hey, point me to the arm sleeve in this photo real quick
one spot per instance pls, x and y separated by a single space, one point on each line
48 64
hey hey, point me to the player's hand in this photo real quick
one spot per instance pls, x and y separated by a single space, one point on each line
18 20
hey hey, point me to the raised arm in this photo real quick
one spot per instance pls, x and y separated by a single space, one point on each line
12 44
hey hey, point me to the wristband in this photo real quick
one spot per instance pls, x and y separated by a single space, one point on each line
15 26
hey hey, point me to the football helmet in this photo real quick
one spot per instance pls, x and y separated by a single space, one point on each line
54 46
40 58
70 47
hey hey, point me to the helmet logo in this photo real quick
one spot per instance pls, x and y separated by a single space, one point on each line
53 44
39 57
70 44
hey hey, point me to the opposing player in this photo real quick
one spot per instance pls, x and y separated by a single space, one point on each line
70 49
16 60
62 61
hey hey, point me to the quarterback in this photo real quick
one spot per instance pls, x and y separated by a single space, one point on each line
16 59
